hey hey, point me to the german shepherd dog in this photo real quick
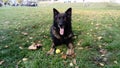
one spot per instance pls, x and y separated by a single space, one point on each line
61 31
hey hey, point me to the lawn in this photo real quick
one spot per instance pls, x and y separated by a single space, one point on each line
96 27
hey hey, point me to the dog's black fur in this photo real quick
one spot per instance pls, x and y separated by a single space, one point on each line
61 31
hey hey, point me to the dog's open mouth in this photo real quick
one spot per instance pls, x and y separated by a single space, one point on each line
61 27
61 31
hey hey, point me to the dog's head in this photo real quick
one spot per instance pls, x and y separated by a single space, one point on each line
62 20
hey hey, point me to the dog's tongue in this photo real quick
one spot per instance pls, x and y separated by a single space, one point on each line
61 31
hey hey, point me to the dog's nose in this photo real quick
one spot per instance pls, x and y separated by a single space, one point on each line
60 24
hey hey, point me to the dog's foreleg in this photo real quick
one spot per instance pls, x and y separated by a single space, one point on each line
70 50
52 50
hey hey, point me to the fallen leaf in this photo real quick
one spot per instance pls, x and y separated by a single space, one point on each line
92 23
100 46
74 62
20 47
32 47
24 33
80 48
25 59
30 37
99 38
101 64
97 24
96 28
64 56
35 46
6 46
91 29
88 33
76 67
103 55
79 42
110 36
115 62
1 62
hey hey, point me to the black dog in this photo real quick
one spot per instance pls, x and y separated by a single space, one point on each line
61 31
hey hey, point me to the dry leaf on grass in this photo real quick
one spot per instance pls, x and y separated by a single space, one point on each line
80 48
115 62
101 64
76 67
25 59
20 47
74 61
24 33
30 37
35 46
100 46
99 38
32 47
6 46
1 62
64 56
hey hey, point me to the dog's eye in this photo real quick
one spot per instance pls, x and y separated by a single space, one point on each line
59 17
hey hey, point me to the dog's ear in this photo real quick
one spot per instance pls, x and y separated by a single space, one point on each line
55 12
69 11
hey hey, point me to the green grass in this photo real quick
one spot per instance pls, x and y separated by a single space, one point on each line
89 24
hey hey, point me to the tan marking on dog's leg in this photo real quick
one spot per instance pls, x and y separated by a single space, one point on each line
70 50
51 51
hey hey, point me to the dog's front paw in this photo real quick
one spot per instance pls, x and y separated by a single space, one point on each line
70 52
51 51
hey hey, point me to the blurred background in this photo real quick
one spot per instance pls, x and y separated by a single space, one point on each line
37 2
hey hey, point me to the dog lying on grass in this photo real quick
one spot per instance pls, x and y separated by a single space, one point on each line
61 31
